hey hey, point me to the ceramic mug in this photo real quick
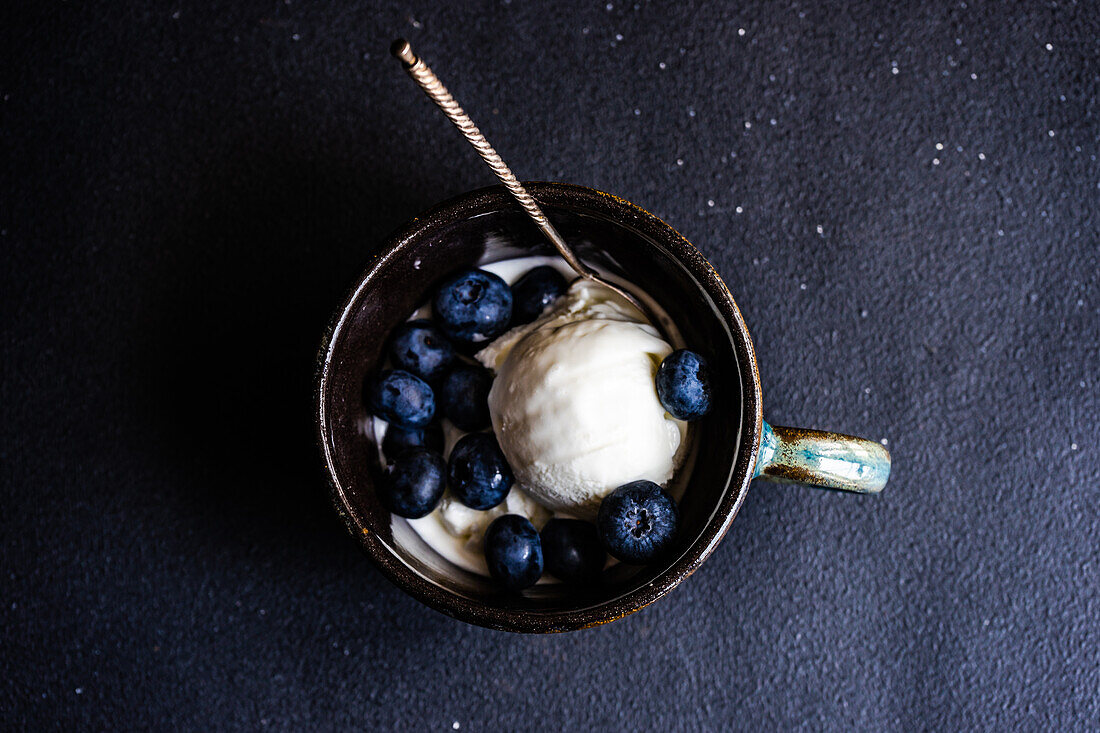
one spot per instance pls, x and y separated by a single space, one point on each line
734 444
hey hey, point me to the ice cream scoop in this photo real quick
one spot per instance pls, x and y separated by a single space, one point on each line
574 405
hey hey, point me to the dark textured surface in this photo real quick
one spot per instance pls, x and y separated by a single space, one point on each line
188 190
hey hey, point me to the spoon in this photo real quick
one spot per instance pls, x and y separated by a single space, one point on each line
433 87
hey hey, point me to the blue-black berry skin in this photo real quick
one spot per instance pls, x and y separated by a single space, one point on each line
683 385
421 348
572 551
477 472
401 398
397 439
534 292
637 522
464 396
473 307
513 552
412 484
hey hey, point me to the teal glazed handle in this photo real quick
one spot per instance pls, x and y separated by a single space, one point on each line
822 459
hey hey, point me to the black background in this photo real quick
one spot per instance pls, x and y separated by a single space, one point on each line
189 189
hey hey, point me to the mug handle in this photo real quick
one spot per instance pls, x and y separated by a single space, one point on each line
822 459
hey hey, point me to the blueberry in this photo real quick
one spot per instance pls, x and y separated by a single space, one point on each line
533 292
401 398
573 551
399 439
412 484
464 396
637 521
513 552
477 472
683 385
473 306
421 348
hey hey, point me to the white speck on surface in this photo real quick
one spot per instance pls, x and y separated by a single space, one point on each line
610 6
739 210
894 71
740 31
416 264
1050 133
618 36
1050 47
679 161
802 286
863 313
176 15
958 41
958 148
748 125
935 161
691 111
1000 232
455 725
820 229
585 30
866 390
296 37
637 111
981 156
772 122
662 65
710 203
974 76
939 146
79 690
884 441
1073 446
416 23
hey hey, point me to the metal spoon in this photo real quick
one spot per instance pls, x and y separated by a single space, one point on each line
433 87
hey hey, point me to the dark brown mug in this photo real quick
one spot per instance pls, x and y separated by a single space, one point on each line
734 444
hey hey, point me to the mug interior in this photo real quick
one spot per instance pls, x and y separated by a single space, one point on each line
487 226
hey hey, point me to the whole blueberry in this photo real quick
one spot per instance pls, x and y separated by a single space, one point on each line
573 551
419 347
683 385
637 521
464 396
477 472
413 483
401 399
473 306
533 292
400 439
513 552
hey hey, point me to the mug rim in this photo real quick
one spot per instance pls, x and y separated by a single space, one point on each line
632 217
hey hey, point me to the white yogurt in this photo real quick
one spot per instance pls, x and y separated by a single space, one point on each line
456 531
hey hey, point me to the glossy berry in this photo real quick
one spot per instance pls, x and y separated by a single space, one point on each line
477 472
398 439
637 521
533 292
413 483
464 396
683 385
513 552
420 348
572 551
473 306
401 399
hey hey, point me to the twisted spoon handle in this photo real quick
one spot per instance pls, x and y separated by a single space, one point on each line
433 87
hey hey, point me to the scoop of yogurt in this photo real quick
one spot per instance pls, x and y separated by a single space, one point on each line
574 406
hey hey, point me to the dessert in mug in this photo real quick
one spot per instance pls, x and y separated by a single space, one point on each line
530 426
